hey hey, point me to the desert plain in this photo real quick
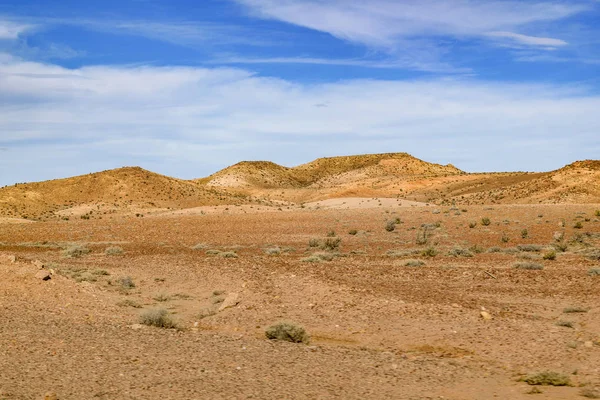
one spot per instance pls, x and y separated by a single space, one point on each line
411 280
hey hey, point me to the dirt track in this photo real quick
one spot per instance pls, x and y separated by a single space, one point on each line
379 329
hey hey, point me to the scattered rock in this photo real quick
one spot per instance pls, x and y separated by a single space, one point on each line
50 396
43 275
485 315
589 344
39 264
232 300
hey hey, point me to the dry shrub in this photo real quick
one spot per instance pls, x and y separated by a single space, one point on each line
548 378
288 332
157 317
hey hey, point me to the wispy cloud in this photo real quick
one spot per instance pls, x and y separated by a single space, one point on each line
417 29
159 116
12 30
363 63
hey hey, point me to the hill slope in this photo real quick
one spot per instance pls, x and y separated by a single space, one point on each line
129 188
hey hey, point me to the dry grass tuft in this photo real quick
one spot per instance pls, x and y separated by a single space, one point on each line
288 332
548 378
157 317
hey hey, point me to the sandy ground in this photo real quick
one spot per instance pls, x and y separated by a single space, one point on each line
379 328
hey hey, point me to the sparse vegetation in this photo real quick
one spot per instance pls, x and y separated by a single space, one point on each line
352 232
390 226
331 243
460 252
594 272
162 297
485 221
590 393
565 324
159 318
331 233
529 248
528 266
200 246
549 255
578 225
414 263
429 252
289 332
76 251
505 238
574 310
129 303
228 254
113 251
548 378
126 282
273 251
524 234
472 225
597 213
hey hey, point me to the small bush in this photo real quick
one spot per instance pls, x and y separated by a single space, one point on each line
472 225
162 297
550 255
429 252
460 252
589 392
574 310
548 378
311 259
494 250
422 235
593 255
565 324
594 272
76 251
212 252
158 317
414 263
528 266
314 242
524 233
529 248
561 247
578 225
273 251
505 238
597 213
390 226
129 303
228 254
126 282
113 251
288 332
352 232
200 246
485 221
477 249
331 243
86 277
331 233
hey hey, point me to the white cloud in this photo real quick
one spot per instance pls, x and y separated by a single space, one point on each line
187 121
382 22
529 40
12 30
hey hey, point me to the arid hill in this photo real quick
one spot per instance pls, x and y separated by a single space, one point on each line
397 175
131 188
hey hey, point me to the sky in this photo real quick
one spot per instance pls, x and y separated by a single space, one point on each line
187 87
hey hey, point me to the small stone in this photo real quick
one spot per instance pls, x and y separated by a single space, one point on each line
136 327
43 275
39 264
485 315
232 300
50 396
455 305
589 344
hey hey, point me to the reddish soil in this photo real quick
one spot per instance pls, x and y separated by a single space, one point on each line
379 329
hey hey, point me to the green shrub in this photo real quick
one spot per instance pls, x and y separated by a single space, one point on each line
528 266
331 243
429 252
578 225
460 252
529 248
288 332
597 213
157 317
549 255
548 378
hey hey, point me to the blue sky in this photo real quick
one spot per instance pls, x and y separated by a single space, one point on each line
185 88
